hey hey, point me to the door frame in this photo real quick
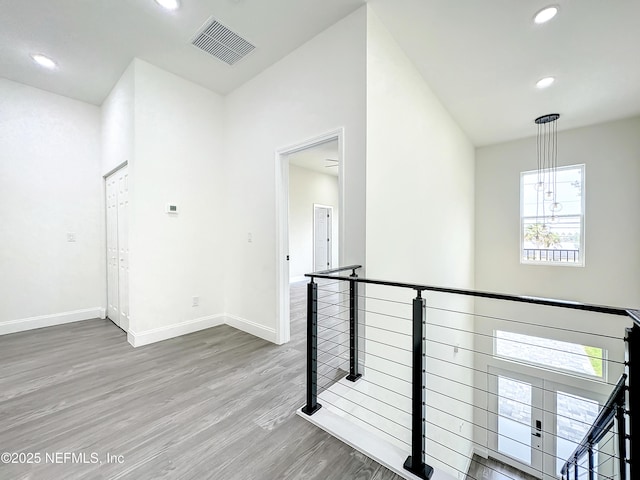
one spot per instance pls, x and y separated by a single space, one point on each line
105 236
283 331
313 247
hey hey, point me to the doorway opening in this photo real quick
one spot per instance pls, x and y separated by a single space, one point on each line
310 215
117 210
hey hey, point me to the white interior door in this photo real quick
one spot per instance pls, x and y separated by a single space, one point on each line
113 304
322 238
123 246
117 191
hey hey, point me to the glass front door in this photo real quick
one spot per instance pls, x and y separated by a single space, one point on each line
516 422
535 425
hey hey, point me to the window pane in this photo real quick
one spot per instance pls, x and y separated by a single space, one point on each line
514 419
552 221
554 354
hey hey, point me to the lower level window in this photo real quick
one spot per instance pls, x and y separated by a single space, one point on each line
552 354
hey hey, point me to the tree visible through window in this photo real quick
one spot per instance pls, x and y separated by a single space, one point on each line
552 223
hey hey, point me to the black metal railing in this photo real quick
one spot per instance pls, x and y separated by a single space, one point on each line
612 413
619 409
551 255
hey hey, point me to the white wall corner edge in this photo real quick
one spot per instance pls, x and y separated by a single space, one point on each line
31 323
480 451
138 339
473 450
252 328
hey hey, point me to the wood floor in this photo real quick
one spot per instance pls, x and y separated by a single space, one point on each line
491 469
217 404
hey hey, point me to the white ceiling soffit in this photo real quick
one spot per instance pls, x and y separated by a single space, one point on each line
93 42
483 59
222 43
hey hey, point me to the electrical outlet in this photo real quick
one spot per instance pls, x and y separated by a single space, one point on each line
71 237
249 237
195 302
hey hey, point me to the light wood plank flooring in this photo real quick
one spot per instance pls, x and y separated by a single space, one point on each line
217 404
491 469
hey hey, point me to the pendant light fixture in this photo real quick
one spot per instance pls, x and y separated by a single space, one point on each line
546 183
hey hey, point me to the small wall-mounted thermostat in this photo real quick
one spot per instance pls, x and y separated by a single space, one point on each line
172 208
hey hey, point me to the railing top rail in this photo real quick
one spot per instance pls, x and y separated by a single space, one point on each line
496 296
553 249
635 316
601 425
334 270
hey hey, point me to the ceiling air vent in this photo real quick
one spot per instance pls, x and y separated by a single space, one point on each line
217 40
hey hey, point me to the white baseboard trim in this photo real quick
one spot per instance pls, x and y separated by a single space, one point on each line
253 328
103 313
300 278
23 324
137 339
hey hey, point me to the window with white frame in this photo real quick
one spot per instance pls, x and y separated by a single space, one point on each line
552 354
552 223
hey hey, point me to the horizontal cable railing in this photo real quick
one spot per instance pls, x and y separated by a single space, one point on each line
470 376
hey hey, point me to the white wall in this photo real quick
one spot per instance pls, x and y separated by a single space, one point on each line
307 188
420 227
611 274
118 123
50 184
316 89
177 159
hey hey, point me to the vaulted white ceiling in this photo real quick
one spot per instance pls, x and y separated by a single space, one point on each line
94 40
481 58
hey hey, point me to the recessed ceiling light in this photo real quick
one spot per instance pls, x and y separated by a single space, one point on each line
44 61
169 4
545 82
546 14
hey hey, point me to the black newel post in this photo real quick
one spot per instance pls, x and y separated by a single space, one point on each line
633 397
353 329
415 463
622 440
312 405
591 472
